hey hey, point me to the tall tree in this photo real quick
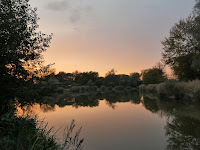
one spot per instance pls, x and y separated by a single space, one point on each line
21 44
182 47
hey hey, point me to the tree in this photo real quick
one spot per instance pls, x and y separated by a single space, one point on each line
182 47
153 76
20 44
135 80
197 7
111 79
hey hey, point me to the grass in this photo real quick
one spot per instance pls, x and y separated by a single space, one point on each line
173 89
27 133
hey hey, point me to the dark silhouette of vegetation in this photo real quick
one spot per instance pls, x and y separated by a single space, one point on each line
182 47
92 79
172 89
20 44
154 75
21 64
25 80
182 128
80 100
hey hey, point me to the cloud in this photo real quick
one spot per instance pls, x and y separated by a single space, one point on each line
75 16
58 5
74 11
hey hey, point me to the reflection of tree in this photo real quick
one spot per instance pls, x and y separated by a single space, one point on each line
86 101
113 98
183 127
151 104
46 108
183 133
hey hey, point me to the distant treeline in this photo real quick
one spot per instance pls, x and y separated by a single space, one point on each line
93 79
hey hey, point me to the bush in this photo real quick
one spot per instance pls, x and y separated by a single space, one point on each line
171 89
192 89
174 90
26 133
151 88
142 88
20 133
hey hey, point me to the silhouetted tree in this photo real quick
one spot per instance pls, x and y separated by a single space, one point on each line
20 44
110 78
182 47
153 76
82 78
135 80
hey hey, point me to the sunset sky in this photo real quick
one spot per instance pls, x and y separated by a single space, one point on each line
98 35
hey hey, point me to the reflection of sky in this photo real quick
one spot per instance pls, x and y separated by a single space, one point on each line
100 35
128 127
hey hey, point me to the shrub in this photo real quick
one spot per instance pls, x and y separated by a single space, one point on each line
21 133
151 88
192 89
142 88
170 89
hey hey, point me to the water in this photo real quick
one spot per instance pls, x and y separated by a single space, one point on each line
124 121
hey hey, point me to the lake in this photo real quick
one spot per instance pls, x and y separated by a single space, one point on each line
123 121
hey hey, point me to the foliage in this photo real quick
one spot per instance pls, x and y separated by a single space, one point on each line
192 89
135 79
173 89
153 76
83 78
27 133
21 45
21 133
182 47
170 89
92 79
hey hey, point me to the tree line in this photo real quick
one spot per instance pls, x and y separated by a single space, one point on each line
21 47
93 79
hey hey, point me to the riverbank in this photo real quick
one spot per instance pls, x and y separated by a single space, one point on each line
172 89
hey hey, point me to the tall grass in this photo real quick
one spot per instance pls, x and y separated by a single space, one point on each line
174 90
27 133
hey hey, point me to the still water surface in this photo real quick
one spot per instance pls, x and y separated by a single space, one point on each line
125 122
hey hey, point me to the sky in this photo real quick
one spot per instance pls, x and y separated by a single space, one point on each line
99 35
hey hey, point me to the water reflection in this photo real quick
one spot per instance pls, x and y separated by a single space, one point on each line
82 100
181 126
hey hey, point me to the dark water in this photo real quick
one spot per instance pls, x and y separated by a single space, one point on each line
124 121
